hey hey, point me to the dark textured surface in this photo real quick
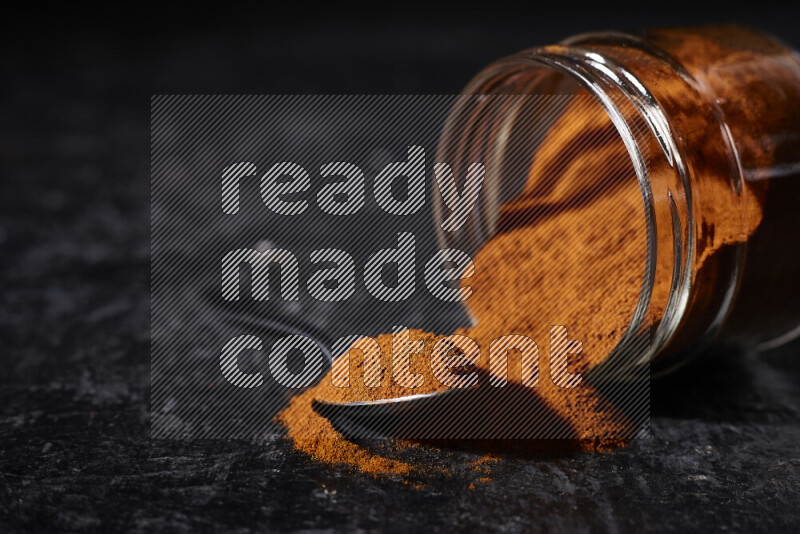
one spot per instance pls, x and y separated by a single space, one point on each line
74 331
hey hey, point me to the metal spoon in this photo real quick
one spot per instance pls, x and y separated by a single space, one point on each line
394 417
510 412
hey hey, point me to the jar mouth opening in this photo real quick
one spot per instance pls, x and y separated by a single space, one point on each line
551 79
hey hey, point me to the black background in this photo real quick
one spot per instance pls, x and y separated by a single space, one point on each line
75 451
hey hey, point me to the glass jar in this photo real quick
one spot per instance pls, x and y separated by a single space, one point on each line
710 119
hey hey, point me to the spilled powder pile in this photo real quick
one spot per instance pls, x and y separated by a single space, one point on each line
557 259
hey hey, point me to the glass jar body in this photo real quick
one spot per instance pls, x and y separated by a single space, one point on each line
721 110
